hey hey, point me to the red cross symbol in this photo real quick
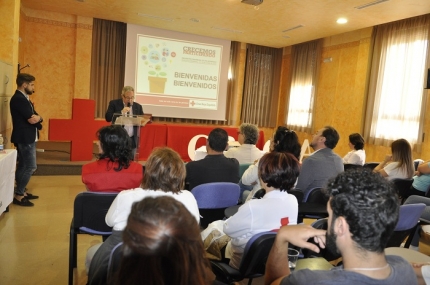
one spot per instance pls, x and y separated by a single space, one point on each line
80 130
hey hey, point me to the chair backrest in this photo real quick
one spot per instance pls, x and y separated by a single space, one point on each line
371 165
242 168
216 195
114 262
257 249
409 216
298 193
402 187
192 145
347 166
403 183
417 162
315 195
90 210
321 224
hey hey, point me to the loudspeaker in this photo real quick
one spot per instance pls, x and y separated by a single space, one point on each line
428 79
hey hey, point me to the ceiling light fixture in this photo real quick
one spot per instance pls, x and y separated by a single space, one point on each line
252 2
155 17
370 4
342 21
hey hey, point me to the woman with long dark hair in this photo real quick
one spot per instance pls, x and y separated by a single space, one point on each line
114 169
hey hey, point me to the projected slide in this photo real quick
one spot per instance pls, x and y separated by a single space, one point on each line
187 73
177 75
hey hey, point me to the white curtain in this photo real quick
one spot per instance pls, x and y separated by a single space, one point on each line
305 60
396 88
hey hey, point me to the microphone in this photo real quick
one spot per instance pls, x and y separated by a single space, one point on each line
128 105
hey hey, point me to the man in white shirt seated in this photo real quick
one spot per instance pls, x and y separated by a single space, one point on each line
247 152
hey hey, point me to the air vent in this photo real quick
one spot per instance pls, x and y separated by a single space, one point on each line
252 2
155 17
293 28
370 4
227 30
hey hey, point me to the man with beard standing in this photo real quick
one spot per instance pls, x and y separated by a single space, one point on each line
26 125
363 212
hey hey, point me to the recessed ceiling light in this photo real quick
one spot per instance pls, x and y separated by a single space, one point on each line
342 21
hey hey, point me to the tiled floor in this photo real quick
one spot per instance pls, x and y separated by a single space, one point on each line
34 242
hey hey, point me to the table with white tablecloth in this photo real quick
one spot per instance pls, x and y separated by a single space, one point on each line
7 177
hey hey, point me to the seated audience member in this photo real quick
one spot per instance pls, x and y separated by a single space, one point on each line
399 164
357 155
164 176
323 163
421 179
283 140
363 212
277 171
414 199
247 152
215 167
114 170
162 245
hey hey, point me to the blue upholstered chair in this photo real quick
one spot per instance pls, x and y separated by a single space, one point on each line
214 198
409 217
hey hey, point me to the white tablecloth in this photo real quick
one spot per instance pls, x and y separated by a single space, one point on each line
7 177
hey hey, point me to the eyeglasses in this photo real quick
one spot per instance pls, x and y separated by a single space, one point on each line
129 98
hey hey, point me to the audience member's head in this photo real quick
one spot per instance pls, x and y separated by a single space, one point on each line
218 140
278 170
162 245
402 153
331 137
248 134
368 203
285 140
164 170
115 145
357 141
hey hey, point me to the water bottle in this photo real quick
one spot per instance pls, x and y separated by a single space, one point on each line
1 143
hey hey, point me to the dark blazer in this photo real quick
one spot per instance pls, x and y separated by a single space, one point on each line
21 110
115 106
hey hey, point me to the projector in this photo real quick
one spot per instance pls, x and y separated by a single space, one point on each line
252 2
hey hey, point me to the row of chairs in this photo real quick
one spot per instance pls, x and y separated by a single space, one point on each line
90 209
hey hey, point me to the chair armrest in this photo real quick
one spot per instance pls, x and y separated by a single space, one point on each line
224 272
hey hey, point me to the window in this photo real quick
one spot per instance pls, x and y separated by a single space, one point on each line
395 95
305 60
